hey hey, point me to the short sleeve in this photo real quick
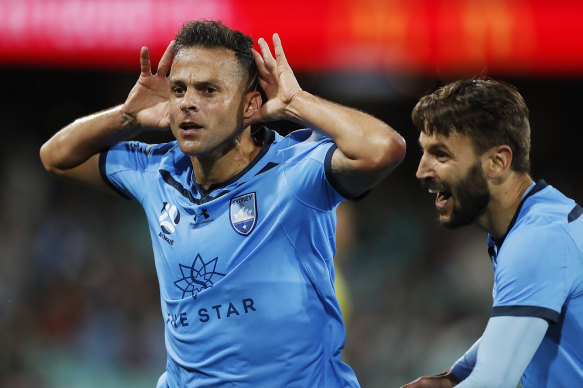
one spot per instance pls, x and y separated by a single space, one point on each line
306 173
124 165
530 276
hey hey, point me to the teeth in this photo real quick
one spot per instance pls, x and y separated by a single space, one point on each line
433 191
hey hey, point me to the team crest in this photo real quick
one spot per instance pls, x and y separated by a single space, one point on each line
243 213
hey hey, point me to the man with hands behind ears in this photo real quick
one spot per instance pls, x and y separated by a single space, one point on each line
242 224
475 138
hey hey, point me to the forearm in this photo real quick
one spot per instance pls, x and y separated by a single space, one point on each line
85 137
464 366
361 137
506 347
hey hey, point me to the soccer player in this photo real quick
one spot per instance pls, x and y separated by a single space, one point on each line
475 138
242 223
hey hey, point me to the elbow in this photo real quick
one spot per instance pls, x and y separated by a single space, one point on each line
44 158
396 149
391 152
47 159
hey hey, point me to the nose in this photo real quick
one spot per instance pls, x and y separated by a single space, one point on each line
189 101
423 170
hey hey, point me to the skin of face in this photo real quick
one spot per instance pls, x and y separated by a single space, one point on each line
450 168
207 101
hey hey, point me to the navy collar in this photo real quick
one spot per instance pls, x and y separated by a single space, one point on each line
540 184
263 136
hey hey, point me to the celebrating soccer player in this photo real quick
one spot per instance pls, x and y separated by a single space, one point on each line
475 138
242 223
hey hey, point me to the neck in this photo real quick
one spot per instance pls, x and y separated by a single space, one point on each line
227 162
506 195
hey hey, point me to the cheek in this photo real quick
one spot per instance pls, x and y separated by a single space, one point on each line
226 109
173 109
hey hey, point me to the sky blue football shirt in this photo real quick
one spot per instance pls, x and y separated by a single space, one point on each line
538 272
245 268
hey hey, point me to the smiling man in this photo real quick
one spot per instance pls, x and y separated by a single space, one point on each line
242 224
475 137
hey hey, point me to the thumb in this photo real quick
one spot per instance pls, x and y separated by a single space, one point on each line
164 121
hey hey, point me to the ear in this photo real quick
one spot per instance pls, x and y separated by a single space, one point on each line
497 161
252 105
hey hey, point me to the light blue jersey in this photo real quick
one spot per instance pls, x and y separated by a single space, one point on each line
245 268
538 272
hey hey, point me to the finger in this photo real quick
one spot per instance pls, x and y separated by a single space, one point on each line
264 84
278 49
259 62
166 60
145 62
266 52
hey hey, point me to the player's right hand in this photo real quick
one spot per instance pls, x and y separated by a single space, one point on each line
147 103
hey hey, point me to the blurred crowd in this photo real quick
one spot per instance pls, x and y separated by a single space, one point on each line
79 302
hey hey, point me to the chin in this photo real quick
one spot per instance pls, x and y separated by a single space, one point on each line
455 222
188 148
445 222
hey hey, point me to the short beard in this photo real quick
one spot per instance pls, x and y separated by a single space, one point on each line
471 198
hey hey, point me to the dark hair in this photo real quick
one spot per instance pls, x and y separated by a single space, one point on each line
490 112
214 34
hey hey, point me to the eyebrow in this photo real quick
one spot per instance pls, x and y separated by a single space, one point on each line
435 147
198 85
213 81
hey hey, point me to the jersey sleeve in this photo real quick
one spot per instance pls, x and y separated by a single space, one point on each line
465 364
503 353
308 171
530 277
124 165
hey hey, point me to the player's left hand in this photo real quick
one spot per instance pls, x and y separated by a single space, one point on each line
277 80
442 380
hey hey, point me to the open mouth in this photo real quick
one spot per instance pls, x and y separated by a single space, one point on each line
442 197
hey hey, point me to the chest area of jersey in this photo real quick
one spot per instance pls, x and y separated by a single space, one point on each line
229 218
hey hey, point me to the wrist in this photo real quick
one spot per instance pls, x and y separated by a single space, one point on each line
452 377
128 119
297 104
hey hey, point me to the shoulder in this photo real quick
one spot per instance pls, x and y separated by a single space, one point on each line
541 231
304 143
548 205
307 135
142 157
145 149
544 218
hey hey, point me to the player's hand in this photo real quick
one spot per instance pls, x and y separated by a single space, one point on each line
147 102
442 380
277 80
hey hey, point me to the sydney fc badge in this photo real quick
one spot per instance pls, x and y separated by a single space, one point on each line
243 213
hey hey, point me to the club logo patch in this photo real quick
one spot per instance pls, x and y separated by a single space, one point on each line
243 213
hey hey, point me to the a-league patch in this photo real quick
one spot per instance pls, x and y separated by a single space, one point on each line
243 213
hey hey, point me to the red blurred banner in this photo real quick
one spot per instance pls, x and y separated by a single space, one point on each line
527 37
